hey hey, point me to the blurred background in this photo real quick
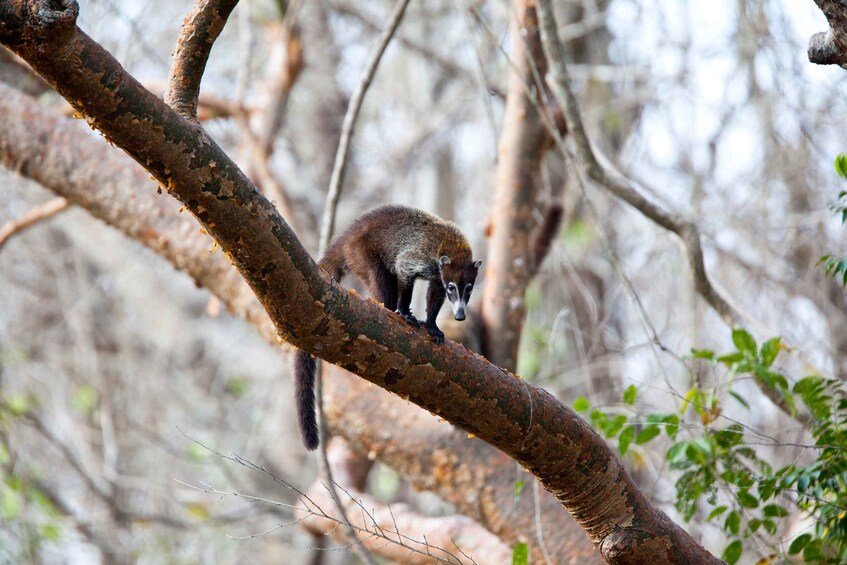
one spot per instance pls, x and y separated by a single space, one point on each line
123 369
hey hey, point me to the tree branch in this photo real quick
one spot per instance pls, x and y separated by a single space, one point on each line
37 214
523 140
830 47
318 316
340 166
623 189
200 29
459 535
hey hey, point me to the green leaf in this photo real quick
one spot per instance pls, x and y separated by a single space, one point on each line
625 439
731 359
237 386
51 532
733 522
647 434
581 404
747 500
740 399
629 394
9 505
84 399
520 554
733 552
672 427
677 453
841 165
519 486
716 512
614 425
18 403
703 354
799 543
689 396
743 341
770 349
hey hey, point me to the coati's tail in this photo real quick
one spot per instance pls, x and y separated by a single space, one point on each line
304 386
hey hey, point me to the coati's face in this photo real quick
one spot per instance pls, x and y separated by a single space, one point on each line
458 280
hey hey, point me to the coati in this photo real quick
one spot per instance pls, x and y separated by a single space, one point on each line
389 248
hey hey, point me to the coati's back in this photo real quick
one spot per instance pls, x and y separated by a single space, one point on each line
396 234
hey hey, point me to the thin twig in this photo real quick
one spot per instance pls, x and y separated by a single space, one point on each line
33 216
328 227
349 124
200 29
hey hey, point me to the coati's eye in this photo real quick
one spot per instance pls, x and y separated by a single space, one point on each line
451 288
469 288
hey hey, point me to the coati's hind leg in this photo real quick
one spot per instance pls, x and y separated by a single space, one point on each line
369 269
405 289
384 286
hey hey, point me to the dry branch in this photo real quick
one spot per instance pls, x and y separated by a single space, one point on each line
37 214
465 540
349 124
199 31
320 317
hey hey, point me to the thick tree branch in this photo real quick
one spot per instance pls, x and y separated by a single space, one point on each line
199 31
320 317
830 47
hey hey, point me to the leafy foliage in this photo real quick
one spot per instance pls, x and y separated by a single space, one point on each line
25 509
721 473
835 266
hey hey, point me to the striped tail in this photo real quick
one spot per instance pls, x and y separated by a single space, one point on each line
304 386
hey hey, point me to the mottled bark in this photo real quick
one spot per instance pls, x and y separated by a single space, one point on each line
523 139
320 317
199 30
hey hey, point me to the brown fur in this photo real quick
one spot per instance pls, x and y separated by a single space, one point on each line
387 249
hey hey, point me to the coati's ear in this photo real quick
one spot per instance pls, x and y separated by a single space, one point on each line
477 264
444 260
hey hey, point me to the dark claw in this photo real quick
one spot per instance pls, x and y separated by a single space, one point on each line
436 333
410 319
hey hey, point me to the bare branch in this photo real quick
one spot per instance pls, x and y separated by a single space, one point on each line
349 124
200 29
37 214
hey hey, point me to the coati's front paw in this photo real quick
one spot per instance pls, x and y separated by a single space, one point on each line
410 319
436 333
